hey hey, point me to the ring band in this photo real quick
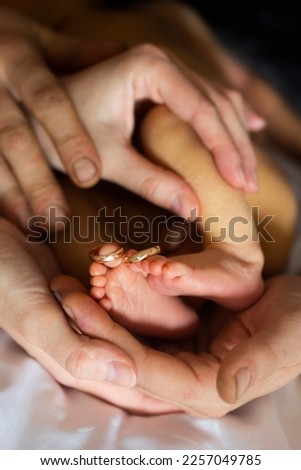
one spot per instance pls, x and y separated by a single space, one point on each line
95 256
141 255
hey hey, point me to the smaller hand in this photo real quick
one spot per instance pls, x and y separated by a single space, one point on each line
106 97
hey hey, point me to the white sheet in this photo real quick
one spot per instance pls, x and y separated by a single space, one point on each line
38 413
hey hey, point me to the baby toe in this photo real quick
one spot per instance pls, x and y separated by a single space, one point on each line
173 269
97 292
106 304
153 265
97 269
98 281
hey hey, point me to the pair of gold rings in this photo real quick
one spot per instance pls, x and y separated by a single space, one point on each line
119 253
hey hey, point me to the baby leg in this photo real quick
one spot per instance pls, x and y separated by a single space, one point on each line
228 270
127 296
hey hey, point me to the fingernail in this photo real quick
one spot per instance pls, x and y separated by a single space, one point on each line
253 182
182 207
85 170
119 373
69 312
242 382
240 177
57 296
257 123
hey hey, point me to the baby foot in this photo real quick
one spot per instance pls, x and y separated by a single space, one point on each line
212 274
126 295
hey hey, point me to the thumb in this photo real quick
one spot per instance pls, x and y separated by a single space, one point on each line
151 182
68 54
255 359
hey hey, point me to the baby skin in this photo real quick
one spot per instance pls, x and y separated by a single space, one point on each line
123 290
227 266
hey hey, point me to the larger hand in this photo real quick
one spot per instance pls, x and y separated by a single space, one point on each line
263 340
27 185
32 317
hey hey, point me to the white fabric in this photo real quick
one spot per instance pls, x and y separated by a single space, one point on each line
38 413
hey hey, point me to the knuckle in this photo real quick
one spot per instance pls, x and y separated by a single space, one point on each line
39 191
205 111
224 104
234 95
76 362
11 200
47 97
270 351
148 50
15 136
150 186
12 45
71 142
209 109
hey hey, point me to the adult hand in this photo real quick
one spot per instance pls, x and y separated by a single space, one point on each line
106 97
259 349
32 317
255 353
27 185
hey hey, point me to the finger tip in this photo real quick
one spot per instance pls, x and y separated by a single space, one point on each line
86 171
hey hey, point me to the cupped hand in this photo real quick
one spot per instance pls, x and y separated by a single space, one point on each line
27 84
259 349
30 314
249 355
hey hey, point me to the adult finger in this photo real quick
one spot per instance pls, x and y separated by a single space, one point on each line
177 88
70 357
232 111
232 117
272 351
34 180
142 177
12 201
186 380
63 284
31 82
254 121
71 54
133 400
34 319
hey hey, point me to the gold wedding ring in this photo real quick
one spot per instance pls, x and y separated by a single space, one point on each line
119 253
141 255
116 254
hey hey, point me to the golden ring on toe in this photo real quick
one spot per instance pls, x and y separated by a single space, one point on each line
141 255
116 254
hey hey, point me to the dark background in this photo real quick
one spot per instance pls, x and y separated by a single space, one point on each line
264 33
273 26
